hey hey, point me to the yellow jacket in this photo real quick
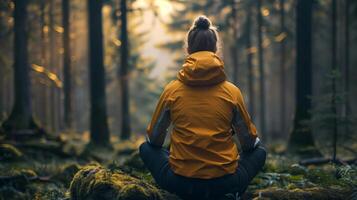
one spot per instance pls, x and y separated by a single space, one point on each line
205 110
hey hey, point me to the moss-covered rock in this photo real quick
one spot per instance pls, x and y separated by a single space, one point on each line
9 152
96 182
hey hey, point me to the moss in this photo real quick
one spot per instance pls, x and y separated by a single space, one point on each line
322 177
9 152
316 193
29 173
297 169
47 191
95 182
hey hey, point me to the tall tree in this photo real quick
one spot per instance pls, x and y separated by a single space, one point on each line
250 60
124 56
301 138
347 63
234 49
21 115
282 66
333 85
261 68
67 65
98 113
44 109
54 92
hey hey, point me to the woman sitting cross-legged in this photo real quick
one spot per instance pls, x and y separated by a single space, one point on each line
205 111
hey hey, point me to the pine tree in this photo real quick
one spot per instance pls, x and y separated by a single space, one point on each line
98 114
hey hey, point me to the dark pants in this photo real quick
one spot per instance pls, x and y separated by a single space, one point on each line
156 160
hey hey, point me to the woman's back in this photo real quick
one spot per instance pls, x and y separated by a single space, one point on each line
201 106
205 111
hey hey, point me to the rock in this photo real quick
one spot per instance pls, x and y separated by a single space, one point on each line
9 152
96 182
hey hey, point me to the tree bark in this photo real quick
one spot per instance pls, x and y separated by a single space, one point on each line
250 62
98 114
301 139
347 65
54 92
261 70
21 114
334 69
282 68
45 108
125 106
68 119
234 49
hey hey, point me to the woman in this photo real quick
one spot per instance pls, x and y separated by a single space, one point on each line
205 111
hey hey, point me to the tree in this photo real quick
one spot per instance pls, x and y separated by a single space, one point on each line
125 118
43 86
301 139
282 66
249 60
234 49
67 66
347 64
21 115
54 92
98 114
261 68
334 68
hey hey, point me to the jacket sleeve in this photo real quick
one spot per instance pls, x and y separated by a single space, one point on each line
157 129
243 126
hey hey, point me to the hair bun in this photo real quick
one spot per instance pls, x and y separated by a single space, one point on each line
202 22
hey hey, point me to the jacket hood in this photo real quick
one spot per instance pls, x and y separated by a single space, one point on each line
201 69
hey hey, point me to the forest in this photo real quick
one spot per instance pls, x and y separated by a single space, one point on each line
79 82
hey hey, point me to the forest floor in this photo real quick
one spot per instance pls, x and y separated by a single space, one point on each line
69 169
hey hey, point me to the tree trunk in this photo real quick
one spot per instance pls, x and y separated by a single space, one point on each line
125 107
67 66
347 65
282 68
21 114
301 139
234 49
261 70
249 62
54 92
98 114
334 68
44 87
